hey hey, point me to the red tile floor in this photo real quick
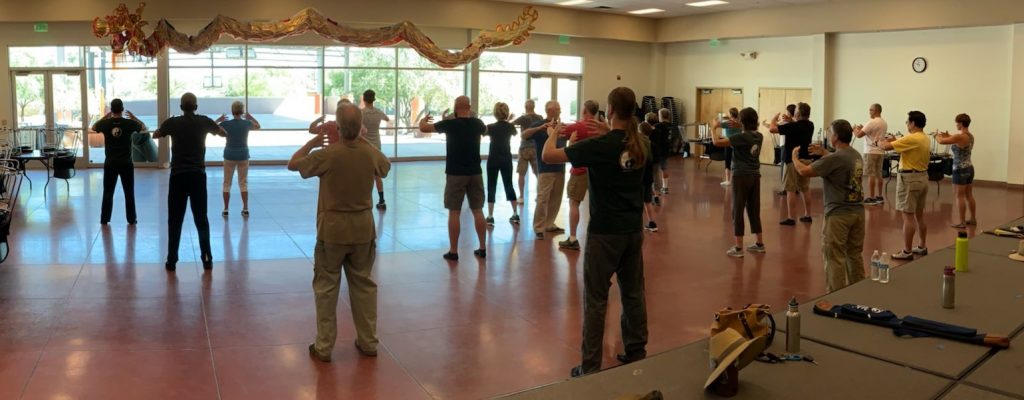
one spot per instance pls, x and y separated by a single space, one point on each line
88 313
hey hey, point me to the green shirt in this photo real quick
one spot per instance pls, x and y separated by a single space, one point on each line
616 182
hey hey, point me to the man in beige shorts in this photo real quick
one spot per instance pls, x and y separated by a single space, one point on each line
527 147
578 184
873 132
912 183
798 133
464 175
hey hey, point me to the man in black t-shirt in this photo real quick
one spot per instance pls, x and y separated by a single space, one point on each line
798 133
117 137
464 175
188 176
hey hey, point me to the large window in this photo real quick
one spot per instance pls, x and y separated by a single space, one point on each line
287 87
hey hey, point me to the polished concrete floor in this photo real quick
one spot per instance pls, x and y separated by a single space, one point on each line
89 313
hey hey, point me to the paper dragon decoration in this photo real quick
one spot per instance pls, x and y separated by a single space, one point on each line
127 36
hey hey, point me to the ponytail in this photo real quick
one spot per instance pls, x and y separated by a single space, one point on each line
623 98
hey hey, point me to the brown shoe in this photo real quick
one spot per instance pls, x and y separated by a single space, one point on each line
316 356
365 353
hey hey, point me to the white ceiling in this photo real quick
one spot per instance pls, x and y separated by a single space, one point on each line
673 8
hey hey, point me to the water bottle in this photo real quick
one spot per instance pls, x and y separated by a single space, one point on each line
961 251
948 288
883 269
793 327
875 260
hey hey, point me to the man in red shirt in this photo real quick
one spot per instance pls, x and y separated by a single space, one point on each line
578 185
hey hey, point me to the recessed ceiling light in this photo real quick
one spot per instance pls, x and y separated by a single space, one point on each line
708 3
647 11
574 2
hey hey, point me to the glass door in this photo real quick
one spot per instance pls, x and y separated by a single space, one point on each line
564 89
49 109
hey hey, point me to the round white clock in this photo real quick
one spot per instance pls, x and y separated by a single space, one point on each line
920 64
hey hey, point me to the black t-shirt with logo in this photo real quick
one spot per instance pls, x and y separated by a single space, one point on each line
500 152
188 141
616 183
117 137
463 145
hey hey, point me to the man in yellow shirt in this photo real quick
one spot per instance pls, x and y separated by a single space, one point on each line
912 182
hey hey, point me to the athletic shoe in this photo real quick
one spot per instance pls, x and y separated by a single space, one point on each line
806 218
664 190
451 256
490 221
959 226
482 253
903 255
514 219
317 356
657 201
365 353
971 222
576 371
555 228
870 201
921 251
245 212
224 213
735 252
788 222
381 205
569 244
725 183
879 201
651 226
756 248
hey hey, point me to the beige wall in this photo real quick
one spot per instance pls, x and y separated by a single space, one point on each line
968 71
1015 162
781 63
473 14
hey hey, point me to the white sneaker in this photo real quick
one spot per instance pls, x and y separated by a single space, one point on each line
735 252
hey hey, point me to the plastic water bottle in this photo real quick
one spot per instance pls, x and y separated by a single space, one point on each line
883 268
875 260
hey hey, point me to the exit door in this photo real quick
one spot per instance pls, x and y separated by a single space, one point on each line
563 88
49 108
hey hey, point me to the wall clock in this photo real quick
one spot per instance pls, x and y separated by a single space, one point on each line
920 64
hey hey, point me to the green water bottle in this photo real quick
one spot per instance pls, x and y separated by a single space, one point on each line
961 252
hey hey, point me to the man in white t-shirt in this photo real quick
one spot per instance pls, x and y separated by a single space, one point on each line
873 132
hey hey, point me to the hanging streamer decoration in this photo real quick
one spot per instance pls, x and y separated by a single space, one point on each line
127 36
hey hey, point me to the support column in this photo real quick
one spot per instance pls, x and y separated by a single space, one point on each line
163 90
822 81
1015 163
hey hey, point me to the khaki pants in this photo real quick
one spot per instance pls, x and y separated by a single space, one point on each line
549 199
357 262
843 248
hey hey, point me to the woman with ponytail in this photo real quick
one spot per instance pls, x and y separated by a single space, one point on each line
615 161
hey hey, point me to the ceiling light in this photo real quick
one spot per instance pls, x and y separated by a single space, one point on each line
708 3
647 11
574 2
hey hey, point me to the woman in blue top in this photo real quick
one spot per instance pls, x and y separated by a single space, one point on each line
236 152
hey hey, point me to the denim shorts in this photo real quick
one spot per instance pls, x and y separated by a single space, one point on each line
963 176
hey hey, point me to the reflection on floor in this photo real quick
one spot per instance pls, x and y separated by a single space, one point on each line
87 312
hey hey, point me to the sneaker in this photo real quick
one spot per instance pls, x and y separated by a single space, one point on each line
921 251
664 190
451 256
870 201
381 205
514 219
245 212
577 371
224 213
626 359
787 222
317 356
972 222
879 201
555 228
651 226
806 218
959 226
540 235
657 201
903 255
569 244
490 221
482 253
735 252
756 248
725 183
365 353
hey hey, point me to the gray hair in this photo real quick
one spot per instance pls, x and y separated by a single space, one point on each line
350 121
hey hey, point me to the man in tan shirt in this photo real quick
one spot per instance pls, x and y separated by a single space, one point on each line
345 232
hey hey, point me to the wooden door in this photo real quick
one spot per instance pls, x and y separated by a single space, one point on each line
712 102
770 102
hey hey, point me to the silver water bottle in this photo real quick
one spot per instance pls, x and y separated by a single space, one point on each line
793 327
